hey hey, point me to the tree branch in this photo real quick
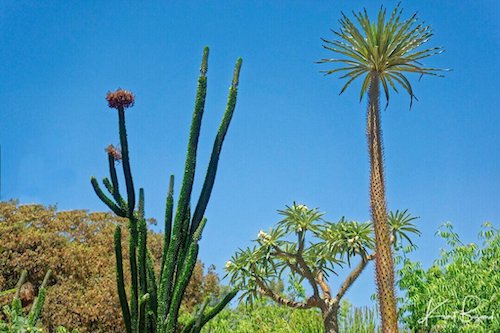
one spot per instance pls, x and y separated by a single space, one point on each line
353 276
327 294
301 269
264 290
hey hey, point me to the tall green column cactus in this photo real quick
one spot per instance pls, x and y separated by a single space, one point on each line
154 301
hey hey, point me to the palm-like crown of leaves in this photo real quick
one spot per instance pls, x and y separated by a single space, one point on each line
387 49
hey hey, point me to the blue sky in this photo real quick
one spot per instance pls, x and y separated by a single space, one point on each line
292 137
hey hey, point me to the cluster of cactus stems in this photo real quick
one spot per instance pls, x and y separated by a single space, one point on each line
154 299
36 308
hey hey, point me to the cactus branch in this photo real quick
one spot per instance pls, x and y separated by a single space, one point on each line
185 275
36 310
20 282
210 313
214 158
168 221
142 253
107 201
114 179
184 196
126 162
141 323
152 286
120 280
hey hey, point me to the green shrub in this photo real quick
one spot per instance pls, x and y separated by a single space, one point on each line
265 317
78 246
268 317
460 291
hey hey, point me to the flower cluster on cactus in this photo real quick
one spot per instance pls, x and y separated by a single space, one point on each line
154 300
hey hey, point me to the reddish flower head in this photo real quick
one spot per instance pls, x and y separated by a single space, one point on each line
120 99
114 152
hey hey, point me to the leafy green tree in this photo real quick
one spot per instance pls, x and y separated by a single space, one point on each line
381 51
309 249
460 292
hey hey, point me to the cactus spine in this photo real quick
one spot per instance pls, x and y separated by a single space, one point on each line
154 302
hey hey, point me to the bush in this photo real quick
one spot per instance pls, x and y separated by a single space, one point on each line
460 291
78 247
267 317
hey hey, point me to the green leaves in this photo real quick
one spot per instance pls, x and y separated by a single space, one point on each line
299 218
460 291
349 238
400 223
303 242
386 48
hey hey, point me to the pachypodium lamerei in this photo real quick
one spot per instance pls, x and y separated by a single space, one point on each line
154 301
308 250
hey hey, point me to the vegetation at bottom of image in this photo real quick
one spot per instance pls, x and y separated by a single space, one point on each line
308 249
78 247
460 292
154 299
17 319
264 316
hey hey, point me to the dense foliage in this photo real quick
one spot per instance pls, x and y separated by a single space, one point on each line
78 247
460 292
267 317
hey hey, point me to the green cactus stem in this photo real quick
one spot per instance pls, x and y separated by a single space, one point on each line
107 201
205 317
184 277
214 158
122 295
36 309
168 221
20 282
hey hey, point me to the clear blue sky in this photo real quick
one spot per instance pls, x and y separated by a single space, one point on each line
292 137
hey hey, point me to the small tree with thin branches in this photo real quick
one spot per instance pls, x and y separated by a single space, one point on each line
310 249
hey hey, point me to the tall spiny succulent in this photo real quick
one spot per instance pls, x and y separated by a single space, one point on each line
382 51
154 302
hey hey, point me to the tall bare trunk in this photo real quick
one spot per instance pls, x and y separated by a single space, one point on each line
384 264
330 319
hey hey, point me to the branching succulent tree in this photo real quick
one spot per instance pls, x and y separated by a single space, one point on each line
382 52
310 249
154 299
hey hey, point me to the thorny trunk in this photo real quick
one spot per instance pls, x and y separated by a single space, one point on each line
384 264
330 319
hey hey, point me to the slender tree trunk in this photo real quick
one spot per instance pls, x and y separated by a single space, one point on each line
330 319
384 264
